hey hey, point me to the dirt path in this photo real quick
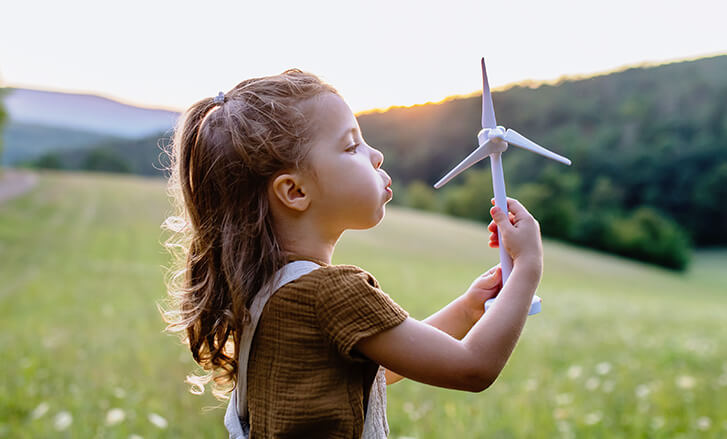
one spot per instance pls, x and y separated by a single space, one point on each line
14 182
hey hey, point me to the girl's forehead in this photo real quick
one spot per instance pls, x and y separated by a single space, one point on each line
330 117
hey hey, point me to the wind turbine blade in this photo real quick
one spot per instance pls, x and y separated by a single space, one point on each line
474 157
488 110
517 139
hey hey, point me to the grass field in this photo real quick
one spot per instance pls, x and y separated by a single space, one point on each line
621 349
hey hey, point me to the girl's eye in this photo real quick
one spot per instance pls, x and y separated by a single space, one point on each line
352 148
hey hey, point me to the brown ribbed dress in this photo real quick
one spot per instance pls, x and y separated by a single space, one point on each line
305 379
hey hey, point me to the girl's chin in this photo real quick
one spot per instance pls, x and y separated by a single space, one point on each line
382 215
373 222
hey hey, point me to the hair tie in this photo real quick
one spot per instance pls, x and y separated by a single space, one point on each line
219 99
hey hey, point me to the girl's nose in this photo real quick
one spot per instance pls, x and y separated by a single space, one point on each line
377 157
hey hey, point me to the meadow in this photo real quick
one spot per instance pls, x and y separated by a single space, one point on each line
621 349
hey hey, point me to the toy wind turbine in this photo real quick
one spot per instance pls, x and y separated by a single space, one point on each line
493 141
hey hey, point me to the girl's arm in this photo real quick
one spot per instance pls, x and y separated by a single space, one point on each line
458 317
421 352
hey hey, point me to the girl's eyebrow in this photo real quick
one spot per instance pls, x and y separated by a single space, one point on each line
352 130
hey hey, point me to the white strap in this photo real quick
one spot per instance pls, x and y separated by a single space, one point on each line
288 273
375 423
236 416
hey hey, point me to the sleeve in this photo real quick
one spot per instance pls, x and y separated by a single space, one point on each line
350 306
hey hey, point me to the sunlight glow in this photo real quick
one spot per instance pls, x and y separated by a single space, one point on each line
376 53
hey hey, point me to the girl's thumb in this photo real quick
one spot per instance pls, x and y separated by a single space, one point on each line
501 219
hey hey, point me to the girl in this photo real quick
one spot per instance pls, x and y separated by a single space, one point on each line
272 172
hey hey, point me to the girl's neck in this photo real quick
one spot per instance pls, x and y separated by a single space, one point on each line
306 233
310 242
322 254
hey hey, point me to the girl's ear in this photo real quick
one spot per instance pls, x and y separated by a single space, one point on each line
288 189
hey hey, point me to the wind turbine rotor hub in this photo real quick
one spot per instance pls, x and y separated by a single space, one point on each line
497 132
494 136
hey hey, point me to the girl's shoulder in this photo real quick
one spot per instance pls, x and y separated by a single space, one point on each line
346 303
338 274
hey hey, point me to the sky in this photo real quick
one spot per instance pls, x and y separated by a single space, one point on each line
169 54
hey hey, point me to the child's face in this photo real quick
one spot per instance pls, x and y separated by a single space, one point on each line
350 189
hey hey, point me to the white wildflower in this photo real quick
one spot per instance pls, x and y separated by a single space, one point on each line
560 413
593 418
565 430
157 420
563 398
592 383
415 415
608 386
135 436
574 372
531 384
119 392
658 422
685 382
40 410
722 380
704 423
62 421
603 368
642 391
114 416
643 406
563 427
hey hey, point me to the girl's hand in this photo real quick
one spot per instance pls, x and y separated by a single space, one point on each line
520 232
485 287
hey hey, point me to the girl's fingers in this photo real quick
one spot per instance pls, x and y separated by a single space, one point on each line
490 271
489 280
516 208
492 227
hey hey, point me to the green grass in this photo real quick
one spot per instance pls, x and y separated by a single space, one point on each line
621 349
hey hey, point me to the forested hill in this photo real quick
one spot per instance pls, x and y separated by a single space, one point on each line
652 136
637 110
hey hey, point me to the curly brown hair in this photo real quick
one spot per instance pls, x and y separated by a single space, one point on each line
222 157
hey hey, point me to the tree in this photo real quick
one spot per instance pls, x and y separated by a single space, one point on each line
106 160
651 236
49 160
471 199
420 195
3 117
554 201
710 194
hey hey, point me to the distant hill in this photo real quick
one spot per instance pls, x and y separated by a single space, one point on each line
139 156
25 141
44 121
85 112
